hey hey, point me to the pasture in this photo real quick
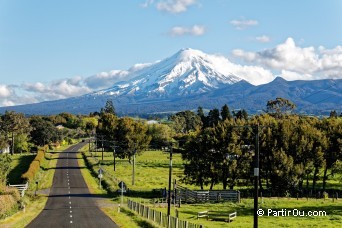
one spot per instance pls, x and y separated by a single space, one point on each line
152 170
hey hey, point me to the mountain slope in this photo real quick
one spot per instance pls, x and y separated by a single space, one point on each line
311 97
184 73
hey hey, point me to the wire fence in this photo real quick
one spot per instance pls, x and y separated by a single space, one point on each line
160 218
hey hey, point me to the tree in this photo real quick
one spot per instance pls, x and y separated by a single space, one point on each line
279 107
109 108
160 134
199 168
200 113
44 132
333 114
13 124
241 114
332 128
186 121
131 137
213 117
106 127
225 113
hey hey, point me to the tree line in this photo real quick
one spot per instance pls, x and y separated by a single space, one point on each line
217 145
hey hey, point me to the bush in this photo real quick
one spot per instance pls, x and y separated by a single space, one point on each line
8 205
9 198
34 166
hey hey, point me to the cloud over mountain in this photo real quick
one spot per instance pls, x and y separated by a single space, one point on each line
296 62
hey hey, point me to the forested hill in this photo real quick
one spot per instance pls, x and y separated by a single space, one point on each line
317 97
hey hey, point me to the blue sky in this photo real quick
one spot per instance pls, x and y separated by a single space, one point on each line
48 49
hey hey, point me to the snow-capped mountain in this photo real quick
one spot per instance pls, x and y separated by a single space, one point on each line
185 73
191 78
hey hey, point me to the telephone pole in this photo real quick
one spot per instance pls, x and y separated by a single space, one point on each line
170 178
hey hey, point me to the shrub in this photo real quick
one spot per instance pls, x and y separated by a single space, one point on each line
34 166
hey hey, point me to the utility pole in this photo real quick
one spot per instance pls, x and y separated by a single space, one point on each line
133 170
114 155
12 152
102 146
256 176
170 178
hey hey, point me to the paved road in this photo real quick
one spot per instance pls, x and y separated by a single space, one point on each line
70 204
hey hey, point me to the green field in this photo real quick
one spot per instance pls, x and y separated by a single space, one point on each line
152 173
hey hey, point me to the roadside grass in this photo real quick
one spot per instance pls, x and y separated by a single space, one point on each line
110 206
22 218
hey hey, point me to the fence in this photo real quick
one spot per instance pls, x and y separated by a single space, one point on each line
160 218
189 196
21 188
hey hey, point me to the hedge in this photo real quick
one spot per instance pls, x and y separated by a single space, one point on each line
34 166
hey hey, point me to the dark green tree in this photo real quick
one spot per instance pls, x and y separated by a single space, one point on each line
241 114
225 113
109 107
213 117
44 132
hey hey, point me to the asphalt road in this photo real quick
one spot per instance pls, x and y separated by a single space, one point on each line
70 204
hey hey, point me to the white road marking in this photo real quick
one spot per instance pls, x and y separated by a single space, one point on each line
70 221
70 216
69 202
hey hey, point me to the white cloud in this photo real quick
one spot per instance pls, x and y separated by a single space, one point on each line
5 91
243 24
57 89
147 3
196 30
290 76
263 39
256 75
175 6
296 62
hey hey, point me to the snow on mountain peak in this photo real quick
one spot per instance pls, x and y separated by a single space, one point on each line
186 72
